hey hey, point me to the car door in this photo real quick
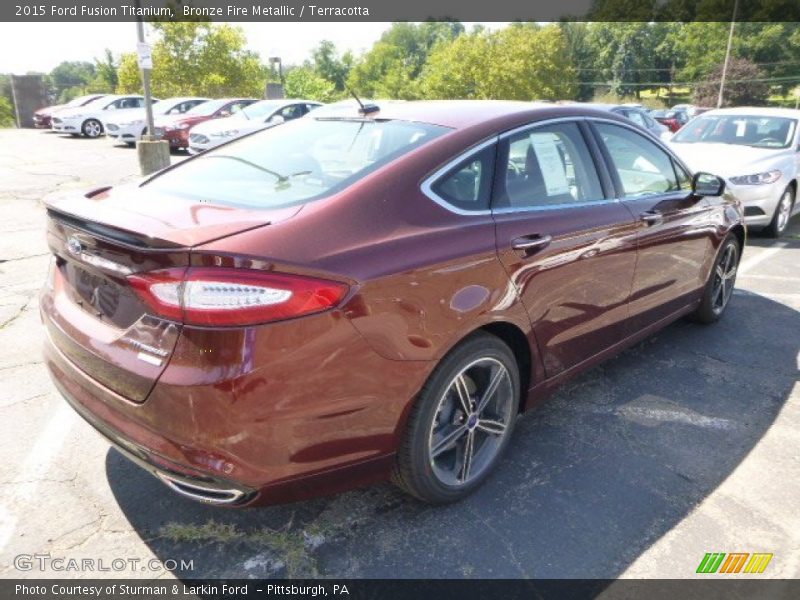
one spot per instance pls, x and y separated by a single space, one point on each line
674 227
567 245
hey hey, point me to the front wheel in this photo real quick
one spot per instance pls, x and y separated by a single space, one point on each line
461 423
92 128
780 220
719 287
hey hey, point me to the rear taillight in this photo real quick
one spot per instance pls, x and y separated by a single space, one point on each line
217 296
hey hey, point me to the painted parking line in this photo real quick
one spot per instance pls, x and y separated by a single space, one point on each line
749 263
35 466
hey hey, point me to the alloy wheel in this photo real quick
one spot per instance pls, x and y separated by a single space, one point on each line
92 128
724 278
471 422
784 210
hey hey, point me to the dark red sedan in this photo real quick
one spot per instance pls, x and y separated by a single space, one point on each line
372 294
175 128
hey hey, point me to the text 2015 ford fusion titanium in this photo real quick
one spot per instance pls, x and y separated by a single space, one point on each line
338 301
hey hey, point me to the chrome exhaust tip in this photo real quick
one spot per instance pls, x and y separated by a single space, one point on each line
204 493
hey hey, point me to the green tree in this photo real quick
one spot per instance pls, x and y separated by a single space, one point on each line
519 62
743 85
71 75
624 55
198 58
7 118
105 79
305 82
391 67
327 64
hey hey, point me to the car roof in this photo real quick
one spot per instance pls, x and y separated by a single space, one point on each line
766 111
455 114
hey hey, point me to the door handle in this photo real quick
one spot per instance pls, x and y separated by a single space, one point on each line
651 217
531 242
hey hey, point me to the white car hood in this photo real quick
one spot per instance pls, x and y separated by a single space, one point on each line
728 160
89 111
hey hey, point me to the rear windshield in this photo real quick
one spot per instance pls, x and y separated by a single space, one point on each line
207 108
298 162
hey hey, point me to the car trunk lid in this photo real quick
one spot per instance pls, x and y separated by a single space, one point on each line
93 314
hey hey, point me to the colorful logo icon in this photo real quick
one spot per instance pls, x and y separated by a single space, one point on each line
734 562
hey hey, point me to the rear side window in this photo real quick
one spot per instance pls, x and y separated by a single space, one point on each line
469 184
546 166
300 161
644 168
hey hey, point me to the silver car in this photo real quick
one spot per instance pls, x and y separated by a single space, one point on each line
757 151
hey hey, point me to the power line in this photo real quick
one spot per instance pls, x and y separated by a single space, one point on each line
787 79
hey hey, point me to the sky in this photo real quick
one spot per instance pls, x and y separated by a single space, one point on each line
39 47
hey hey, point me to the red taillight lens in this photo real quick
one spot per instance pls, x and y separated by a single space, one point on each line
217 296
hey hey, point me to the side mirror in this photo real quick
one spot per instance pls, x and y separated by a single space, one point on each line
275 120
706 184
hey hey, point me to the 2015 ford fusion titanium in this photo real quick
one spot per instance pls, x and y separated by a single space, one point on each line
343 300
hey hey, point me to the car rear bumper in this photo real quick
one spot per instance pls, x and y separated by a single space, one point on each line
231 435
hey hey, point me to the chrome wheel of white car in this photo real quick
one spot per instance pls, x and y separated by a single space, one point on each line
92 128
780 220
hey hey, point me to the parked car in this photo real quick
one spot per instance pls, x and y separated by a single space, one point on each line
128 126
672 119
338 301
636 114
691 110
87 120
757 151
42 118
175 128
260 115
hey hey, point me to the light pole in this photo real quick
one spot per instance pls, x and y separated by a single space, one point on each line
153 154
727 54
148 98
276 60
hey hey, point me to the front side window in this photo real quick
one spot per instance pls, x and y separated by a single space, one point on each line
546 166
643 168
301 161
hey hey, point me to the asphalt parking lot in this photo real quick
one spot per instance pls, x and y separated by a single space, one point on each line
685 444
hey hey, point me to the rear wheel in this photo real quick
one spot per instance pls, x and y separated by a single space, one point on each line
780 220
92 128
719 287
461 423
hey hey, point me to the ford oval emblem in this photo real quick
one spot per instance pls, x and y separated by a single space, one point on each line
74 246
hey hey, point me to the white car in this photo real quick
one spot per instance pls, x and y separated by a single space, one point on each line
129 125
257 116
88 119
757 151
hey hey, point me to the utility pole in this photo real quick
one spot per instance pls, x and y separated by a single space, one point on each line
727 54
153 153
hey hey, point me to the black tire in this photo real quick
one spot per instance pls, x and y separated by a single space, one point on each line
716 299
92 128
780 219
480 359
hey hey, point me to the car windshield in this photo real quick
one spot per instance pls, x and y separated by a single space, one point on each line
259 109
742 130
299 162
80 100
206 108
